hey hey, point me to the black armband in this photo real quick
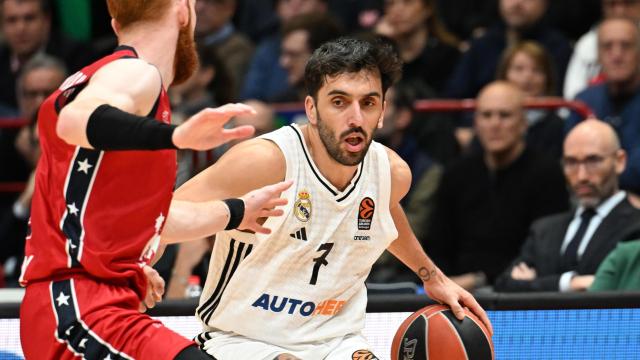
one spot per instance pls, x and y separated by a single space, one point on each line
236 212
110 128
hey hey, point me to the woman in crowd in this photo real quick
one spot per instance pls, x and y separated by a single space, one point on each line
529 66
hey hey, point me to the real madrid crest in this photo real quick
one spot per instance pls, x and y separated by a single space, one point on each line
302 206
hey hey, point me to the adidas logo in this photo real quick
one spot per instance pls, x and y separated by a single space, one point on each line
300 234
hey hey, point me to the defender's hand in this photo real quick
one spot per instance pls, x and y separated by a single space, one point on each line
262 203
205 130
155 289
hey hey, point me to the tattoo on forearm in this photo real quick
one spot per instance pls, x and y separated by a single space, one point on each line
426 274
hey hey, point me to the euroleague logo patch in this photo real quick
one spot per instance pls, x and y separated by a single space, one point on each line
363 355
365 213
302 206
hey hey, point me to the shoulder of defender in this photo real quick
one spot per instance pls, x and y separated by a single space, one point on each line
135 74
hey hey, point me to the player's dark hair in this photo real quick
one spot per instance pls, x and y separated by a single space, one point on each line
351 55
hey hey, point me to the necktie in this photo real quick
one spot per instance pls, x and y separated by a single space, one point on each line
570 256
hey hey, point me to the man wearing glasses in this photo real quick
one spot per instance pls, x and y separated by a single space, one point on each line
563 251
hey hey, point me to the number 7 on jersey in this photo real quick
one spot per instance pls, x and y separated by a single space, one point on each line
320 260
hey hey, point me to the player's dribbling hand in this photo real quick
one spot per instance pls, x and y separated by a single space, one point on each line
443 290
155 289
205 130
262 203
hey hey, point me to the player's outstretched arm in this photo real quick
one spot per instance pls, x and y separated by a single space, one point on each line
110 113
190 220
253 164
408 250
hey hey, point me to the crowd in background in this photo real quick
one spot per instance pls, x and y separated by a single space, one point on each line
507 197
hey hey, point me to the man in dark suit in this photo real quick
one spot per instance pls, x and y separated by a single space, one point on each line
563 251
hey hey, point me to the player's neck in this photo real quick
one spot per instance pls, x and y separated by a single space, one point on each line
155 45
338 175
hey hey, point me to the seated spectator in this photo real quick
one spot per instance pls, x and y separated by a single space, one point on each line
620 270
529 66
300 37
617 100
265 76
522 21
427 49
215 31
584 68
487 200
563 251
26 25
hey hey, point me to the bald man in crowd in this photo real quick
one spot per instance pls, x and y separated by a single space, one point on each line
487 201
563 251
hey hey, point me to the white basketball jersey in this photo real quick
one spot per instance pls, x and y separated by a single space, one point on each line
305 281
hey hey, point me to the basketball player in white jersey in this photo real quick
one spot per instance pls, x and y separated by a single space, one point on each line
299 292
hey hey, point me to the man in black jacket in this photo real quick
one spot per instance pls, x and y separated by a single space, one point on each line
562 252
487 200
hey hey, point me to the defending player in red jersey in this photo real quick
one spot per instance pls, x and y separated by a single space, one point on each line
104 189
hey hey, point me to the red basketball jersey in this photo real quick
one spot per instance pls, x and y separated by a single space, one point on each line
96 212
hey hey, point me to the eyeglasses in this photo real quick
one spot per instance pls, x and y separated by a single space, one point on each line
591 163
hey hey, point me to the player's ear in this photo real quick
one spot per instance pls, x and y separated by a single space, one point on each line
184 12
381 119
115 26
310 109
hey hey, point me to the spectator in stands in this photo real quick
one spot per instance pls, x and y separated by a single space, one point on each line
26 25
522 21
617 100
39 77
427 49
300 37
529 66
487 201
563 251
214 30
266 76
620 270
584 68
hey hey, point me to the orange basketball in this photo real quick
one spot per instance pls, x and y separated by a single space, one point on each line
434 333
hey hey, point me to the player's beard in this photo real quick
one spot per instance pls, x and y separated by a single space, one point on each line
333 145
185 61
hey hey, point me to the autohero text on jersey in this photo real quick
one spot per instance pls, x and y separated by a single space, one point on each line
280 304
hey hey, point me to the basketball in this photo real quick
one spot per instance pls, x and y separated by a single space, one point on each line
434 333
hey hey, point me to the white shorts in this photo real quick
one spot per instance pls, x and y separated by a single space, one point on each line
229 346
